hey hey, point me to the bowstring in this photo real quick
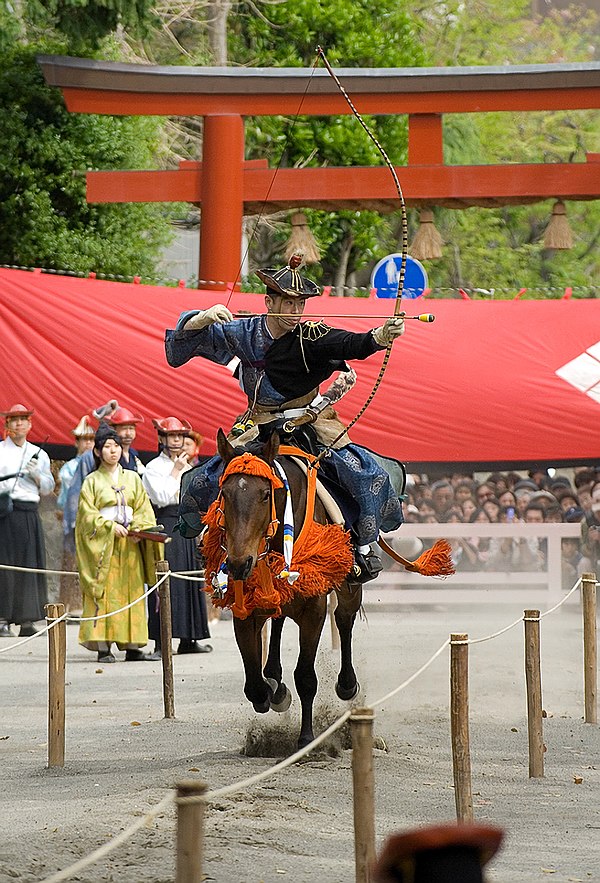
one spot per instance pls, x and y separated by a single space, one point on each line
403 257
261 212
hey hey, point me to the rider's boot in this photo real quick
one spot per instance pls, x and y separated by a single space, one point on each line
367 565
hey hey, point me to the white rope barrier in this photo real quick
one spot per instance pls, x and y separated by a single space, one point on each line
271 771
107 848
68 618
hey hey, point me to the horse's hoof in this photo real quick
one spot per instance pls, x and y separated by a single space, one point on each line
261 707
303 741
347 693
284 703
272 684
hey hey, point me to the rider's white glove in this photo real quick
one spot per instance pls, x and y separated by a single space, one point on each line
387 334
216 315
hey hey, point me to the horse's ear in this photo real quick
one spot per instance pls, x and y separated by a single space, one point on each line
225 449
271 448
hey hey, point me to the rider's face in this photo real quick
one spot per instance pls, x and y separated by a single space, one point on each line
290 310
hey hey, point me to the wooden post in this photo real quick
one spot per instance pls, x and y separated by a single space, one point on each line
590 647
166 638
265 634
459 726
533 678
57 652
190 832
361 725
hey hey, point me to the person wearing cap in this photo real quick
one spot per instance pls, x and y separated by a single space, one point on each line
124 422
282 362
25 476
69 591
162 480
114 565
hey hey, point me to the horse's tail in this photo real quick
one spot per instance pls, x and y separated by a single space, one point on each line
436 561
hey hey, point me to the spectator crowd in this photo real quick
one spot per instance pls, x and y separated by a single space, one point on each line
537 497
105 495
115 513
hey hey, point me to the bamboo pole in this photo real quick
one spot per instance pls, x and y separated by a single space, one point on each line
590 647
166 638
190 832
57 653
533 678
361 726
459 726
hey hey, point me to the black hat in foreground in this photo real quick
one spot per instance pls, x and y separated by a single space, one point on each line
288 280
439 854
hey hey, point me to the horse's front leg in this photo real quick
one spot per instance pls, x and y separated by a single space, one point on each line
349 600
282 698
249 641
310 623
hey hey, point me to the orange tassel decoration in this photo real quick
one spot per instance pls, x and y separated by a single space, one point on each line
436 561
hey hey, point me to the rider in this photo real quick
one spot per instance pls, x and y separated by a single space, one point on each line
282 362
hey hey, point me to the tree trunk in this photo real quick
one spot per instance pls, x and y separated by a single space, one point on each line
218 10
342 267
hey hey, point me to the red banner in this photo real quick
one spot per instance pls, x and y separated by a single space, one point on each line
486 382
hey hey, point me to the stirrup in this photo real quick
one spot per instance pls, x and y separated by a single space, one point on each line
367 566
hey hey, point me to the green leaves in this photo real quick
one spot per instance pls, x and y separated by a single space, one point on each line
44 153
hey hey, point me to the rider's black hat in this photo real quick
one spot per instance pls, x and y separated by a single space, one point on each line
288 280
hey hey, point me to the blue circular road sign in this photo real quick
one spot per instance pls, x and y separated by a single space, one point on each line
385 277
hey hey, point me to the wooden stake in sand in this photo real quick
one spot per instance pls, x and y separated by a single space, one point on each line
166 637
361 726
590 647
459 726
57 654
533 678
190 832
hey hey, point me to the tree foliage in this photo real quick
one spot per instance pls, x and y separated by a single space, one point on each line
45 152
503 247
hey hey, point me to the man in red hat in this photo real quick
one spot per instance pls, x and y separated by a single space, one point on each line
24 476
162 480
282 362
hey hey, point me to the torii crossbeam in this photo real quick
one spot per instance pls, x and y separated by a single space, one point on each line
227 187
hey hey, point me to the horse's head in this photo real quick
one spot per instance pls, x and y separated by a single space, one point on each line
247 508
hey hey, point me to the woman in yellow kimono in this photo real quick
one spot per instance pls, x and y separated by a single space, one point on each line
113 566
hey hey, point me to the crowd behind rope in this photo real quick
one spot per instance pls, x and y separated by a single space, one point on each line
107 503
26 475
511 497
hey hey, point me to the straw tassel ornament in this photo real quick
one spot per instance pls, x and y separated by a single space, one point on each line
558 235
302 241
427 243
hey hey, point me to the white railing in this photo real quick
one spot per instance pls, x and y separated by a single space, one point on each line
543 584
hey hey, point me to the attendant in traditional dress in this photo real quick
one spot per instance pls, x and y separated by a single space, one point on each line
162 480
124 422
24 476
70 590
282 361
113 566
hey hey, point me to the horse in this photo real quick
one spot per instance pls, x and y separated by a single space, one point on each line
251 514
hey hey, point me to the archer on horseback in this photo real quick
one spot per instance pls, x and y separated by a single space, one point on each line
282 362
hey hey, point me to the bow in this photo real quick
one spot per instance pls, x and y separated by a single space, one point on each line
404 246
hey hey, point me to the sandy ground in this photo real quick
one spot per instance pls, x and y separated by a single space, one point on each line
298 824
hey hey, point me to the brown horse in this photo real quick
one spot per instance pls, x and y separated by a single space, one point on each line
247 514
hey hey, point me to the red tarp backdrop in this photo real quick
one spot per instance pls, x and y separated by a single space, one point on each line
477 385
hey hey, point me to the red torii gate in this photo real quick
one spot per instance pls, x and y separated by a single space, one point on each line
227 187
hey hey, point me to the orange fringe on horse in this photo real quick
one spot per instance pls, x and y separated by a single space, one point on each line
322 555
